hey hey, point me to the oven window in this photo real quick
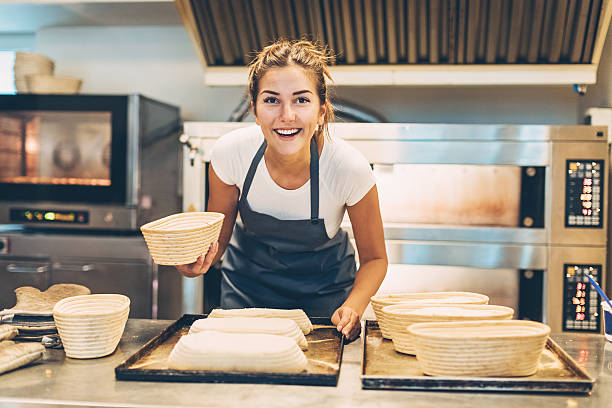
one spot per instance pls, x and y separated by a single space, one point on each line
448 194
55 148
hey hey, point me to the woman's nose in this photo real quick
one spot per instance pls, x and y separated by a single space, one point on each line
287 113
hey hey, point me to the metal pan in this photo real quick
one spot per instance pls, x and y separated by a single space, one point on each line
325 346
384 368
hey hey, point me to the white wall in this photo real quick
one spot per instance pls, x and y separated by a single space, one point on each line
161 62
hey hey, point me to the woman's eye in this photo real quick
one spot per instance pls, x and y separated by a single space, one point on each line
302 99
270 99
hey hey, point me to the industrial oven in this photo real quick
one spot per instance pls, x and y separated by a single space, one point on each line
514 212
79 174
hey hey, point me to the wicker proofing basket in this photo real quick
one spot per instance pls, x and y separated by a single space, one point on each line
50 84
488 348
422 299
399 317
91 326
180 238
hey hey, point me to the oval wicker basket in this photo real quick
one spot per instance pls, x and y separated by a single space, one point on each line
487 348
179 239
50 84
400 316
422 299
91 326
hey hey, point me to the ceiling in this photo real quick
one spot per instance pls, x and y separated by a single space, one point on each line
28 17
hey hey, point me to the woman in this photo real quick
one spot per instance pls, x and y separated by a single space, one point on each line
291 183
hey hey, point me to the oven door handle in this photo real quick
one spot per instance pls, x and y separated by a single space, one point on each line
74 267
27 269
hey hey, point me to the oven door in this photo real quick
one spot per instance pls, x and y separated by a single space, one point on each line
63 149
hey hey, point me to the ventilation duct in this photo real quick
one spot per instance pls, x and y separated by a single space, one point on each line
411 41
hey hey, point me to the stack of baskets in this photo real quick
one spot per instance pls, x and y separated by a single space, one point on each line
459 334
91 326
180 239
29 63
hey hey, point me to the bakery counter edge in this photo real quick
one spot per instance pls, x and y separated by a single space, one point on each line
60 381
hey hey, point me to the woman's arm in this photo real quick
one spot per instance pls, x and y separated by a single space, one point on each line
369 237
222 198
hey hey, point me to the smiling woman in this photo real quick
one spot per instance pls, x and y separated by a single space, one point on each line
7 84
292 182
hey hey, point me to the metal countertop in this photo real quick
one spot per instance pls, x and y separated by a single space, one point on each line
61 381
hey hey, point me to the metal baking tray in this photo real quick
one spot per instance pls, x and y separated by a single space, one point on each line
385 369
325 346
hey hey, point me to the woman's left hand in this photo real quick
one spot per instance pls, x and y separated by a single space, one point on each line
347 322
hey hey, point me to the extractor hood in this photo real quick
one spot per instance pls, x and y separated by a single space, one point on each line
412 42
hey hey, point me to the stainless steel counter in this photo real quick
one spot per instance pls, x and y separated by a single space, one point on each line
60 381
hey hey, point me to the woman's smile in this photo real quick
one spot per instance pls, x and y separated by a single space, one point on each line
287 133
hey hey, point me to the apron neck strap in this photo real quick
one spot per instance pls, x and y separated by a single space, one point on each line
251 173
314 180
314 176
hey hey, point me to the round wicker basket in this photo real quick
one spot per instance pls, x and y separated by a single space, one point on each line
422 299
487 348
91 326
180 239
400 316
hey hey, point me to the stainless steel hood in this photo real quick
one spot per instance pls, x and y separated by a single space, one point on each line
411 41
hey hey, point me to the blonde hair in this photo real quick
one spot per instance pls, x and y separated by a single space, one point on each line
315 59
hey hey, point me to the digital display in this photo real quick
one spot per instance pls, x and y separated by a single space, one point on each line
581 300
584 192
37 215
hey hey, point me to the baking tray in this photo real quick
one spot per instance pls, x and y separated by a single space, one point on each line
325 346
384 368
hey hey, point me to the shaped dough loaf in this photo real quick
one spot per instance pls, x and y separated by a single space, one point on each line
297 315
265 325
217 351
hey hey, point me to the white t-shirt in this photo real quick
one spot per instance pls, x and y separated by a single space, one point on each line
345 177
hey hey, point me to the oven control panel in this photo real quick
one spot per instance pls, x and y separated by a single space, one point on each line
584 194
47 216
581 301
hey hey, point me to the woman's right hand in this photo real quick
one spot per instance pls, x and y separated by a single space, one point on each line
201 265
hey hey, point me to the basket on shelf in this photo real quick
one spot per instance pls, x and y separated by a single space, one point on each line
487 348
180 239
420 300
50 84
91 326
28 63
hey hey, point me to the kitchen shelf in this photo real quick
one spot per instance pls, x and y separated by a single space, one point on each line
499 74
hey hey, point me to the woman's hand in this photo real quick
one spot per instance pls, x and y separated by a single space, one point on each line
201 265
347 322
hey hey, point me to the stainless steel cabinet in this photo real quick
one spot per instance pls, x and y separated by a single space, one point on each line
129 277
104 263
16 272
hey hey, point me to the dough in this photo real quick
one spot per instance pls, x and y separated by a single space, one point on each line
274 325
33 302
296 315
217 351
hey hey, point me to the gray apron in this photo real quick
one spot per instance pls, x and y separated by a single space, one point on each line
286 264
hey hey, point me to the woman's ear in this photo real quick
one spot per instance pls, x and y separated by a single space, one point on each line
322 111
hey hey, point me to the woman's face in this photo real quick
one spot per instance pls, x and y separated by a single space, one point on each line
288 109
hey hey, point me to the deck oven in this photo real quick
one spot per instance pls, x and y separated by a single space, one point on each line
514 212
